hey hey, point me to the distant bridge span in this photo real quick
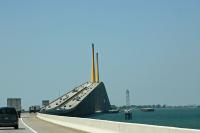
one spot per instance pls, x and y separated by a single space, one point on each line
83 100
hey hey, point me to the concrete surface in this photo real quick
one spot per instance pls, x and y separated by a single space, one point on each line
31 124
103 126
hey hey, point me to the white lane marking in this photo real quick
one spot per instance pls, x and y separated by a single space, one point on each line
28 126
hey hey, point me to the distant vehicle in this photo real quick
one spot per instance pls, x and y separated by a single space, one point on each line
15 103
34 109
8 117
45 103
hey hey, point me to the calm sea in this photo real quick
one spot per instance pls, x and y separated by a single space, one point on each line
175 117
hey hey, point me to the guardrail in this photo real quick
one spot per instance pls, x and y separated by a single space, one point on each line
103 126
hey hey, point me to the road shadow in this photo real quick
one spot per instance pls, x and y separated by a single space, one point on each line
10 128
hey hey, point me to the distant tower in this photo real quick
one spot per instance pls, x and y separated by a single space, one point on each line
93 66
127 98
97 68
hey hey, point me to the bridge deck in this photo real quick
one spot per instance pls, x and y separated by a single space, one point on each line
37 126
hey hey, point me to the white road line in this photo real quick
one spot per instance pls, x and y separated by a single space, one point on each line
28 126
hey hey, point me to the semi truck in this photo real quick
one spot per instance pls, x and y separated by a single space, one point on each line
16 103
45 103
34 109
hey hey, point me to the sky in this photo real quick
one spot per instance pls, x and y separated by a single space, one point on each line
149 47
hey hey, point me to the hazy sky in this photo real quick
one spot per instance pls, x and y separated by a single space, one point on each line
151 48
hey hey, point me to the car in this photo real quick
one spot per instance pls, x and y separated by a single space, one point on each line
9 117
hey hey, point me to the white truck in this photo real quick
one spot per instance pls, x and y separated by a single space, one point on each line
16 103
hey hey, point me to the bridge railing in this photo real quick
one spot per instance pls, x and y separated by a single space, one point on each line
60 100
103 126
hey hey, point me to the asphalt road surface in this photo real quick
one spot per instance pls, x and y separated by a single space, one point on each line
31 124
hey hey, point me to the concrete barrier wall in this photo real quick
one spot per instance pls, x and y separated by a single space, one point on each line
103 126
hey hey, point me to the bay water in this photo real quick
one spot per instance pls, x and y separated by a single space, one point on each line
173 117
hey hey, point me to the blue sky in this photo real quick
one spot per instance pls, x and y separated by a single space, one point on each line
149 47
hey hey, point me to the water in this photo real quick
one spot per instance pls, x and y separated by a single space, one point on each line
174 117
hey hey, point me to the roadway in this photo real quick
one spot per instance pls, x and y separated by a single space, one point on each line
29 123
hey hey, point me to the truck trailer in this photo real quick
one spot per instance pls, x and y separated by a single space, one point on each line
16 103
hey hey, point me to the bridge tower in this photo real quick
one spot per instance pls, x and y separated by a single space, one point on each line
97 68
93 66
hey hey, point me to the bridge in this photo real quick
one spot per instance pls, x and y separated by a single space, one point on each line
83 100
30 123
63 114
44 123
